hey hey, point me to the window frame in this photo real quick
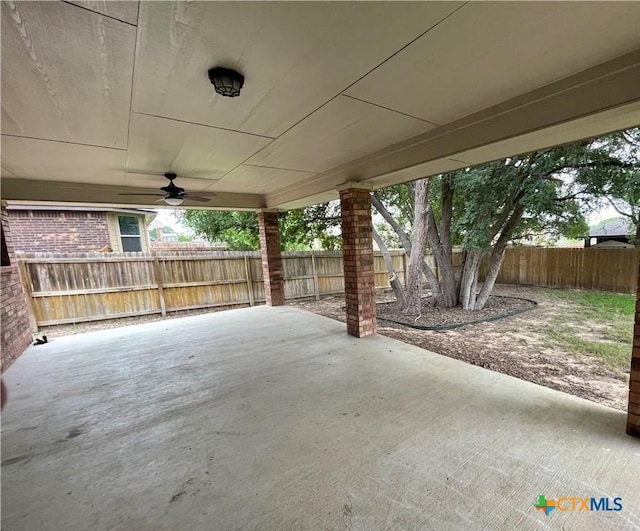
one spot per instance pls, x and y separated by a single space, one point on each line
130 237
6 257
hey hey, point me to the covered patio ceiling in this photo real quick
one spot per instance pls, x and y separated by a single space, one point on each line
104 97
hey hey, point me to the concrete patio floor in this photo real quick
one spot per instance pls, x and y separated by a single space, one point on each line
275 419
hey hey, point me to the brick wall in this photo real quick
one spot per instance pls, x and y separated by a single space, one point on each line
58 231
357 247
15 332
272 270
633 418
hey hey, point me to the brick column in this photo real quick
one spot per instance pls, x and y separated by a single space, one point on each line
357 248
14 316
633 417
271 257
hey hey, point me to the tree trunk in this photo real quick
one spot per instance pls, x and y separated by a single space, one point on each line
637 242
396 285
445 236
444 259
469 279
413 304
406 245
497 256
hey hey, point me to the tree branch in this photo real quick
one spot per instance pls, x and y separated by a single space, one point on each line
447 213
394 281
402 235
630 215
405 242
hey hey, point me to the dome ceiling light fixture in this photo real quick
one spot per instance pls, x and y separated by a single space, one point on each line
226 82
173 201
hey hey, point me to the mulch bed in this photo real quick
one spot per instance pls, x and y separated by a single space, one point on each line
447 318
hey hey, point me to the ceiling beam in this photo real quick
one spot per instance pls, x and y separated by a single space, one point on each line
88 194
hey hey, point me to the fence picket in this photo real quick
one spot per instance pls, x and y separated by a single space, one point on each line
92 286
594 269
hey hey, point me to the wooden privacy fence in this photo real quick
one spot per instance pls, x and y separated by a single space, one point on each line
87 287
613 270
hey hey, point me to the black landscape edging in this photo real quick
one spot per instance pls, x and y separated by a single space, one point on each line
441 328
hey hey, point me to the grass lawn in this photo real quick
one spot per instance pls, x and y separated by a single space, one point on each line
593 323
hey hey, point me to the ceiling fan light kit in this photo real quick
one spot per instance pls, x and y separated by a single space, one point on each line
173 201
226 82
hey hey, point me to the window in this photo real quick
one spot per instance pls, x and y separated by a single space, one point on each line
5 251
130 234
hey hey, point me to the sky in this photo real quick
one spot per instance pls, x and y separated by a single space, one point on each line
601 215
168 218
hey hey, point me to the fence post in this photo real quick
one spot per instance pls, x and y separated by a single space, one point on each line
28 293
157 271
316 285
247 271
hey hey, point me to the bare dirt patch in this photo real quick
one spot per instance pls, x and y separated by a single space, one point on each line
517 345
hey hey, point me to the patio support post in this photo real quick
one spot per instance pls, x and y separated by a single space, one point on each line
357 249
271 258
14 311
633 415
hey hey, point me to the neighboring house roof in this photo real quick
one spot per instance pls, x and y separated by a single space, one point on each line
611 227
612 244
156 224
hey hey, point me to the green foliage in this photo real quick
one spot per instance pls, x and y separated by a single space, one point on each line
299 229
485 197
399 201
614 177
153 235
491 190
238 230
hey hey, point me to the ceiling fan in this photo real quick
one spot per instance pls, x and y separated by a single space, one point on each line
174 195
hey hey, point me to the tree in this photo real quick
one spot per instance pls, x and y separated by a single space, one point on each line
237 230
482 209
616 184
299 229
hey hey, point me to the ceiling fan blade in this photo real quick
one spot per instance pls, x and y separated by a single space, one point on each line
198 198
157 195
207 194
